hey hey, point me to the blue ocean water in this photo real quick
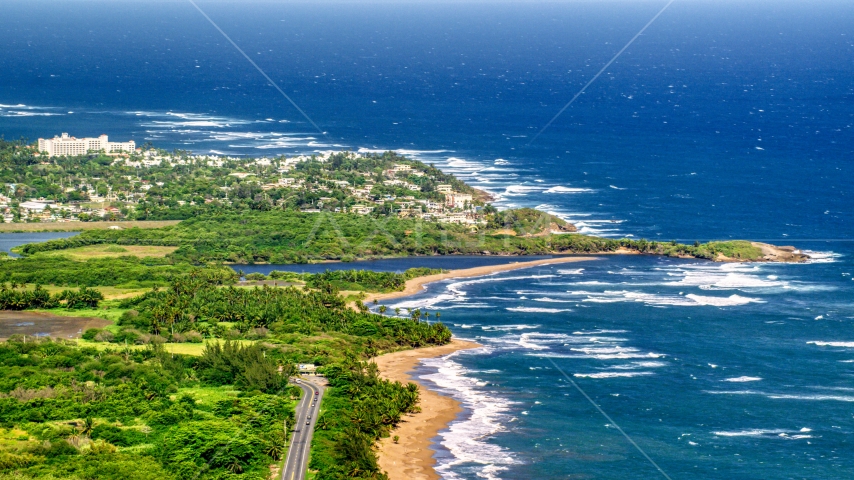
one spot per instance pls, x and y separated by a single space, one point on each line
724 120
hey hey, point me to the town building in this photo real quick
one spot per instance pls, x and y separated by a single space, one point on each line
458 200
67 145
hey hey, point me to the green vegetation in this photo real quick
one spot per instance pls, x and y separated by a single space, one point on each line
736 250
297 237
196 305
367 280
359 408
83 409
80 413
177 185
127 272
526 222
190 381
15 299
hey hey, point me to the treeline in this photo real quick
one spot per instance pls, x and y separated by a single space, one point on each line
193 303
125 272
368 280
298 237
80 413
359 409
23 299
245 366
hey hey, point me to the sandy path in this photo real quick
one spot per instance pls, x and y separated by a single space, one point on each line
411 458
417 284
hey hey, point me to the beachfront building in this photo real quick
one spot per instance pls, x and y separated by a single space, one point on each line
68 145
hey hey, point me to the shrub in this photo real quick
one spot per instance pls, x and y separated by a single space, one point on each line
91 333
104 336
193 337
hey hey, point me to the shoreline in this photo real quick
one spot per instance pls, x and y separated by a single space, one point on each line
412 458
417 285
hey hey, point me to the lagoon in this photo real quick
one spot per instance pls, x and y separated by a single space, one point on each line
8 241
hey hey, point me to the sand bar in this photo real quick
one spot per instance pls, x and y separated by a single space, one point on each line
411 458
416 285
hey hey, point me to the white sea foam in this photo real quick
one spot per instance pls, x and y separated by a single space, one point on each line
486 414
642 364
822 257
755 432
519 190
551 300
743 379
821 398
560 189
612 374
730 301
598 332
604 350
832 344
508 328
428 302
538 310
27 113
654 299
574 271
536 340
786 396
615 356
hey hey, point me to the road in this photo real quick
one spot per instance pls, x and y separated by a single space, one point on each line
296 463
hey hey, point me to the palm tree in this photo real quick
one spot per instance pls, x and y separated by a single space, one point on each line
87 426
382 309
274 446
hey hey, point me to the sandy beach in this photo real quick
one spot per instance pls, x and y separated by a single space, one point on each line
417 284
411 458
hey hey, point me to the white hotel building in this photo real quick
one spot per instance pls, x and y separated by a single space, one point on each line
66 145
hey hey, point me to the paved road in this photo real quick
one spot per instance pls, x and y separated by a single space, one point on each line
296 463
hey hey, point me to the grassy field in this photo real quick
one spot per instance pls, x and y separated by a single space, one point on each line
112 251
109 293
208 396
194 349
111 314
79 226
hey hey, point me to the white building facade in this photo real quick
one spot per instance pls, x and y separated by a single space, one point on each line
67 145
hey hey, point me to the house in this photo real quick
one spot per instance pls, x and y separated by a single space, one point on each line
361 209
33 207
458 200
307 368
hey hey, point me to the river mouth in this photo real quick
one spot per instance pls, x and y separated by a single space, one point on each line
38 324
